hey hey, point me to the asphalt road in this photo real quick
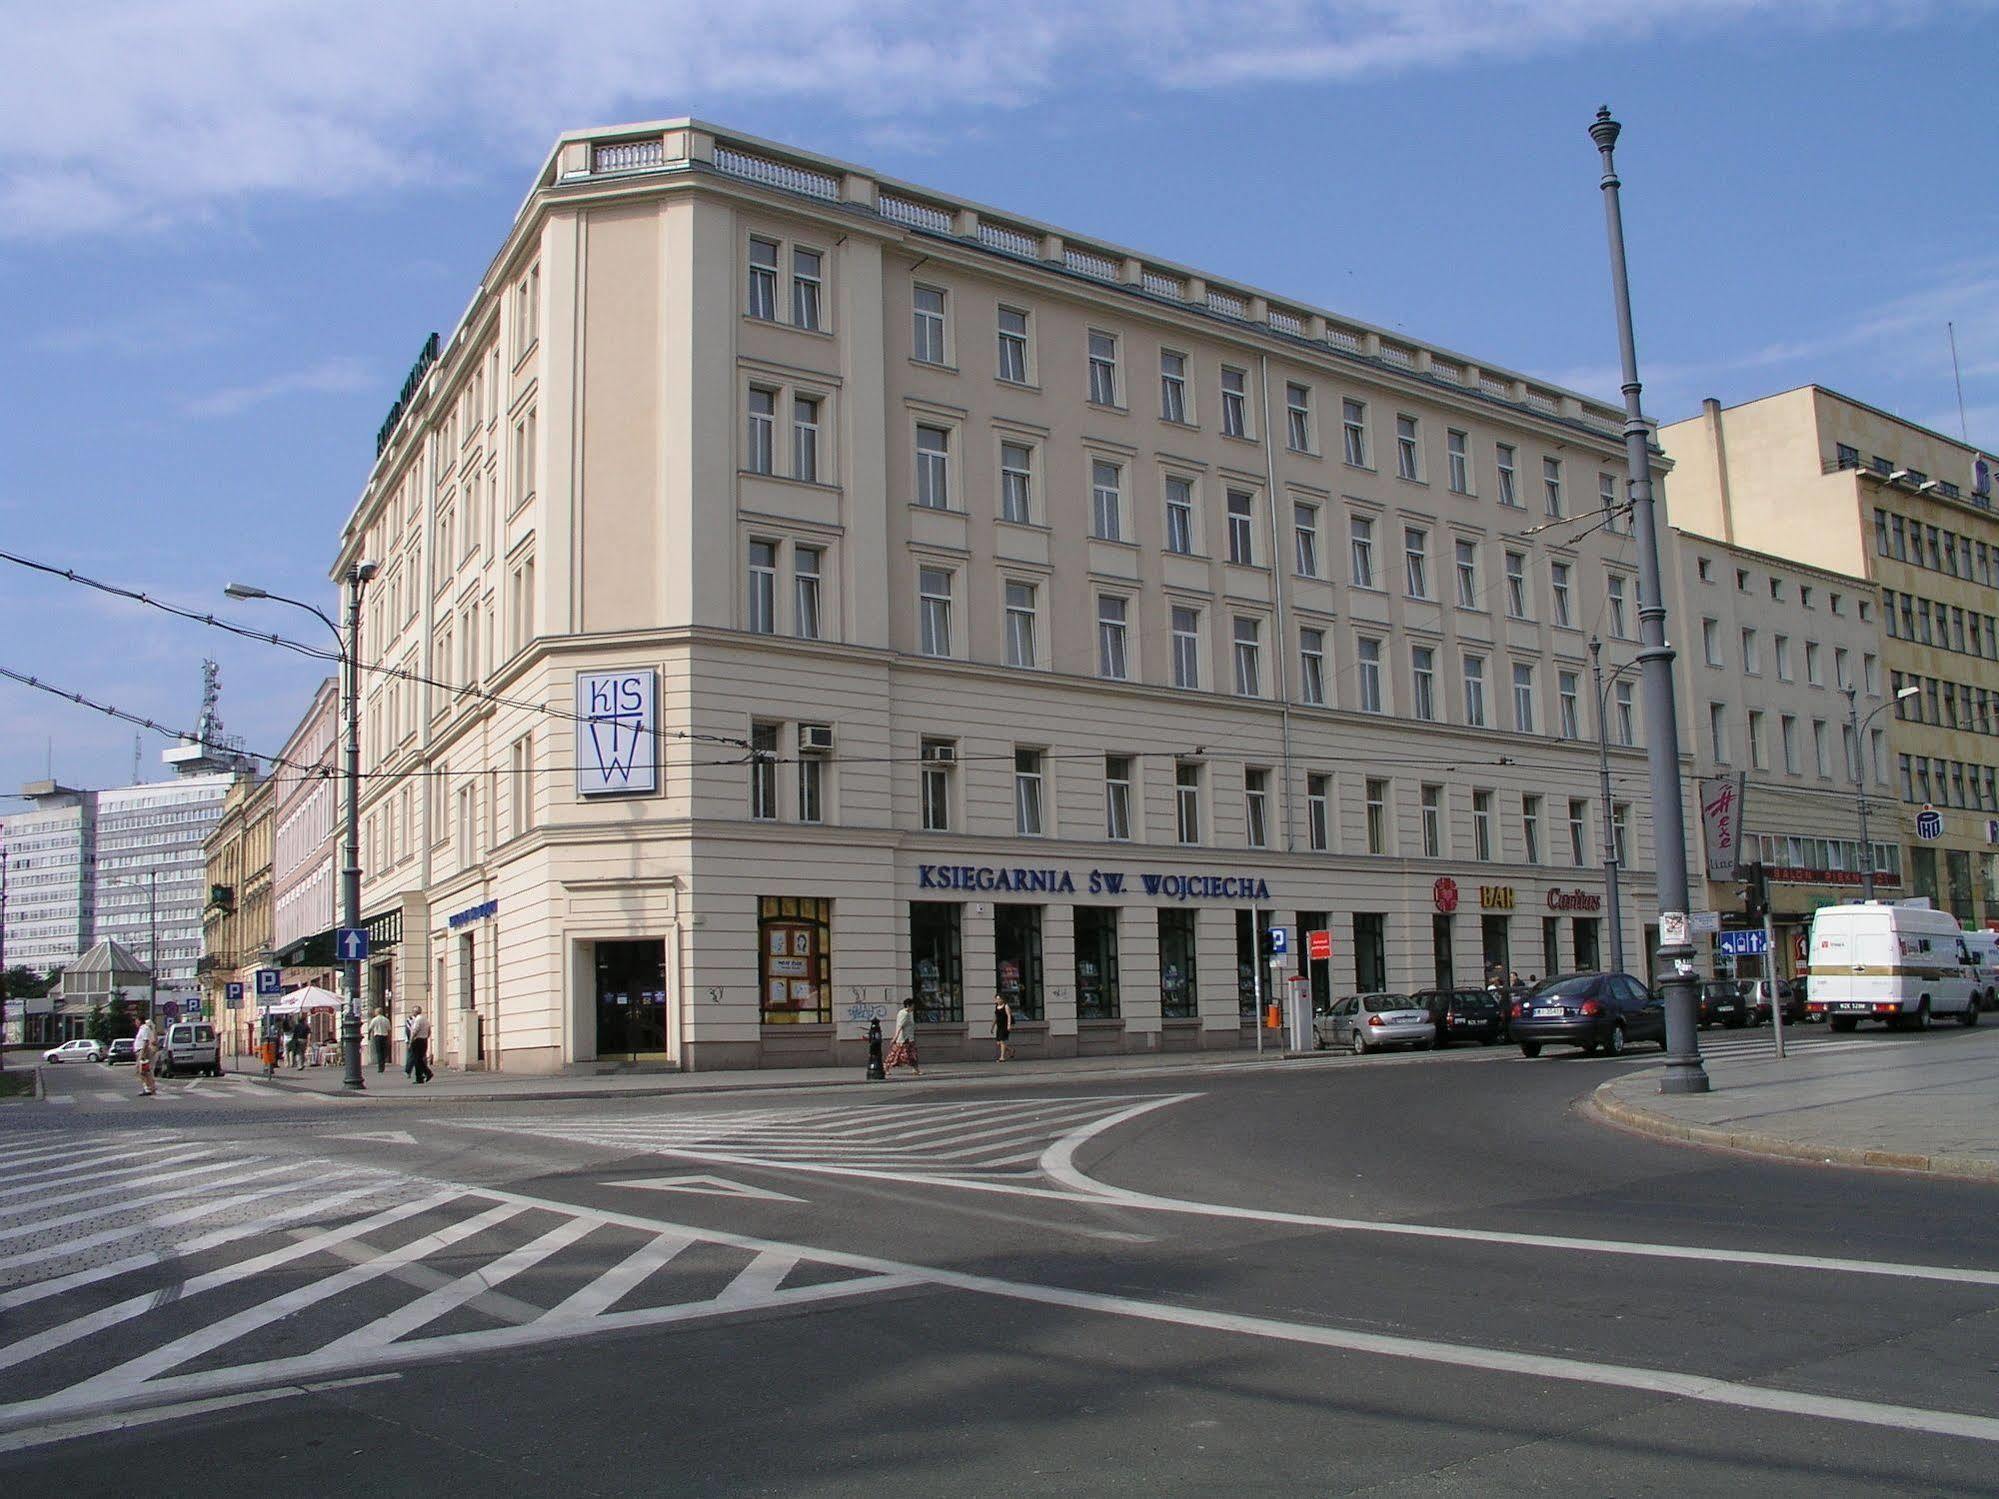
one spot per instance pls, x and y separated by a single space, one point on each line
1428 1275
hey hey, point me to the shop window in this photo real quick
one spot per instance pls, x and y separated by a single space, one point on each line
795 956
1370 951
1017 958
1096 963
936 966
1248 924
1179 981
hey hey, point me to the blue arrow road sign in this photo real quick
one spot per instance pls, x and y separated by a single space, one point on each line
351 946
270 983
1744 944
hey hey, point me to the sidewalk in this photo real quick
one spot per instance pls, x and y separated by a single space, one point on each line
1930 1104
453 1086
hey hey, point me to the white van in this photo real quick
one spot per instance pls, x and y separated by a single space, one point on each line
1984 949
1899 964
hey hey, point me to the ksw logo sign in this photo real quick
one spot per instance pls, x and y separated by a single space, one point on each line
617 732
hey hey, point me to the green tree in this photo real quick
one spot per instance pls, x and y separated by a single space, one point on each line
119 1017
25 983
99 1025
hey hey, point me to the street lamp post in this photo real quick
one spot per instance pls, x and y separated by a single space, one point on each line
1684 1072
1610 859
1859 763
349 647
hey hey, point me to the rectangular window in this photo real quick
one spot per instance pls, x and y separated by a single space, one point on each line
762 298
927 334
805 573
1377 816
805 439
1103 368
1614 600
1305 528
1312 667
1180 516
1567 693
1508 458
1255 799
1179 983
763 587
763 771
1626 719
811 788
1407 465
1172 386
1354 428
1248 658
1578 831
1551 484
1360 531
933 473
1530 827
1842 668
1367 670
1186 646
1187 802
1013 345
521 795
1423 682
1787 741
763 428
1242 545
1812 663
1558 588
1516 585
1620 824
1821 748
1870 674
1416 561
1481 826
1475 691
1752 652
1106 501
1717 732
1027 793
1457 449
1711 642
1318 812
1433 822
1298 417
938 755
1467 570
1235 403
806 283
1606 498
1117 797
1020 610
1016 483
1523 697
933 599
1111 661
1781 648
936 960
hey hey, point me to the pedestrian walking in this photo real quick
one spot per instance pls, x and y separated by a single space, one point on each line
295 1044
142 1058
1002 1026
902 1049
267 1047
419 1062
378 1037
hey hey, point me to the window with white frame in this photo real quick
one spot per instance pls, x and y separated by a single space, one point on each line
1781 649
1312 667
1360 536
1606 498
1717 732
1842 674
1752 651
1020 612
1027 779
1235 402
811 786
805 439
1754 734
1305 530
933 467
763 771
1186 627
1711 642
1187 801
1172 386
1353 427
1821 748
1516 586
1578 831
1530 827
1870 674
927 331
1475 691
939 758
1551 485
1255 807
1117 797
1620 826
1111 658
1458 451
933 602
1367 673
1431 801
1627 725
1559 575
1407 454
520 793
1179 515
1248 657
1013 347
1423 682
1298 416
1812 663
1017 482
1318 812
524 457
807 284
806 565
1481 826
1466 553
763 587
1568 692
1416 561
1376 808
762 295
1508 459
1106 501
1242 533
1523 697
1103 367
1613 585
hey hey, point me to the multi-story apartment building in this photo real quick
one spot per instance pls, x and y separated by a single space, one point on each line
1835 483
305 816
236 922
152 870
47 885
799 589
1774 659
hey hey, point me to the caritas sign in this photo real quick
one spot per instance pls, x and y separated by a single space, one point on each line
1574 900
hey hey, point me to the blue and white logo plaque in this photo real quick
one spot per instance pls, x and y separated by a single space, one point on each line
617 734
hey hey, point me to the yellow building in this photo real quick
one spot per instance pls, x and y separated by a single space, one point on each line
236 920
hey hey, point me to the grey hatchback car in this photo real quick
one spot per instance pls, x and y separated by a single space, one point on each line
1371 1022
1596 1011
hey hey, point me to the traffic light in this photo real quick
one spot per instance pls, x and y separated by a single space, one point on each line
1753 891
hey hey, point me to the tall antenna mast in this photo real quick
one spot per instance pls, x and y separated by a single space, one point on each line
1963 429
138 744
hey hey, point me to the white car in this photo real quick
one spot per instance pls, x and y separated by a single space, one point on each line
75 1051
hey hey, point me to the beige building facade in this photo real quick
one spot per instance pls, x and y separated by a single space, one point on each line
1838 484
799 590
236 921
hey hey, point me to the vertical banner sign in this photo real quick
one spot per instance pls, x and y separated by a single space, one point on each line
617 732
1721 825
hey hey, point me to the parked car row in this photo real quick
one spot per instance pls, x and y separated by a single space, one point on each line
1595 1011
184 1046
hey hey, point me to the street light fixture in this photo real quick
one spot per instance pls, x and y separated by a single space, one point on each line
1610 859
1859 773
348 647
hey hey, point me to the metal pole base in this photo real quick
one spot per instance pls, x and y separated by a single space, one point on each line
1684 1077
350 1048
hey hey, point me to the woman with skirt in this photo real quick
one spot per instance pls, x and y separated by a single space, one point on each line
902 1049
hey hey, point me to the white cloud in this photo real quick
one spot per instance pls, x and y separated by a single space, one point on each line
328 377
128 114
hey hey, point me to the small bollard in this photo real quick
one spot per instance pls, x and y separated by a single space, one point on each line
876 1072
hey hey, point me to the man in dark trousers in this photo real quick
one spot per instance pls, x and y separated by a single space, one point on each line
419 1064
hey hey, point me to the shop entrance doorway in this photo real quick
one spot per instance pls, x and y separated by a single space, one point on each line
631 999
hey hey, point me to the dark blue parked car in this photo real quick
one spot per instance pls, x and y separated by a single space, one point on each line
1596 1011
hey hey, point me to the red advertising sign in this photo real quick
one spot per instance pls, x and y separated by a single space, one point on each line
1445 893
1319 946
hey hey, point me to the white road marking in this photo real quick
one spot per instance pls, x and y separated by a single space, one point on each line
378 1136
706 1186
157 1178
93 1426
79 1165
20 1257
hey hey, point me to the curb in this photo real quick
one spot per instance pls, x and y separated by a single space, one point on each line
1756 1142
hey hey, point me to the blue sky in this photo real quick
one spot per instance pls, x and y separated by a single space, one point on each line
227 225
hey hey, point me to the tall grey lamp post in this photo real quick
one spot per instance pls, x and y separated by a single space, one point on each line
349 646
1859 778
1610 859
1674 968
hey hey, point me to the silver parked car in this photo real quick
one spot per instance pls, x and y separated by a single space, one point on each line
1369 1022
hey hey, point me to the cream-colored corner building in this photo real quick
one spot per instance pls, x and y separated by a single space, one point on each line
800 590
1820 477
236 919
1768 649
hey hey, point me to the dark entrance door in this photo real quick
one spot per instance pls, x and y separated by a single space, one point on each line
631 999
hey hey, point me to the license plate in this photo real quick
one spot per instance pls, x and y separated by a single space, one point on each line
1547 1014
1855 1004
